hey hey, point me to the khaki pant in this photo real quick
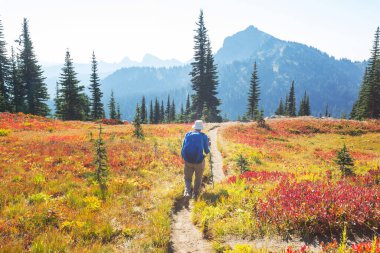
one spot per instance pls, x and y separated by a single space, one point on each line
190 169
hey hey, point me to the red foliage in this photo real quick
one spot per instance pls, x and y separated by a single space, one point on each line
321 207
366 247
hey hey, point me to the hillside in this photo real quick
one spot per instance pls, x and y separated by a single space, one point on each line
326 79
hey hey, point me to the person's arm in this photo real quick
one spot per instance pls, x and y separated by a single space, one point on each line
206 144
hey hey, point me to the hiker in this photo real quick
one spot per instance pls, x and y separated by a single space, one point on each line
195 144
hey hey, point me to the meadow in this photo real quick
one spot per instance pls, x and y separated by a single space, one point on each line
50 201
283 183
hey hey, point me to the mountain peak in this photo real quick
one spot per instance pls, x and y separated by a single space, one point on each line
243 45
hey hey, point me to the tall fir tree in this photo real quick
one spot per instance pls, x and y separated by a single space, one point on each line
156 114
281 109
97 108
253 95
112 106
71 102
203 75
368 103
167 110
304 109
31 75
211 100
162 112
188 109
151 113
5 94
291 105
16 85
118 113
181 116
138 131
172 112
286 105
144 112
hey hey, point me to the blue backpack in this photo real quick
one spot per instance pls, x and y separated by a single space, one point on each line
193 146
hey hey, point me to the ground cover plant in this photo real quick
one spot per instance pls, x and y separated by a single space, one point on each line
50 200
293 187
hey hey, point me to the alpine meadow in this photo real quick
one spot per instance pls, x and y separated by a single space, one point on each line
98 154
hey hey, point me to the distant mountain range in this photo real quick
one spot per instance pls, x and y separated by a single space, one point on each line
52 72
328 81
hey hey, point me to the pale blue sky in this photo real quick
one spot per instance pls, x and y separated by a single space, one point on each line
119 28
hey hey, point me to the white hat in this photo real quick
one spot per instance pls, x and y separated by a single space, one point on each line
198 125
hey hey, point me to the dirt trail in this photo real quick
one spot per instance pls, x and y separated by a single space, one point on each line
185 235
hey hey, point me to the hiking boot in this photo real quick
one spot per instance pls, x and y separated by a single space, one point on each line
195 196
186 195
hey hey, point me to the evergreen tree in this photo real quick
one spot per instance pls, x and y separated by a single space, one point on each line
162 112
101 164
368 103
345 161
151 113
212 84
112 106
280 110
205 113
156 115
286 107
31 75
203 75
304 109
71 100
181 116
57 102
85 106
168 110
188 109
16 85
144 113
138 131
118 113
253 94
5 99
172 112
292 101
97 108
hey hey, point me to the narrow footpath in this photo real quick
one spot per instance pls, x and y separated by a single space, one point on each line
185 235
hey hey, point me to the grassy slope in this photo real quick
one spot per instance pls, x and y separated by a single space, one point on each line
49 200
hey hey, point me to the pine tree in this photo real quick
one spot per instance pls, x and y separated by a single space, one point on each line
144 113
188 109
203 75
212 84
71 100
292 101
345 161
16 86
286 105
304 109
205 113
162 112
31 75
58 102
101 164
151 113
181 116
97 108
172 112
156 114
85 106
138 131
112 106
327 113
168 110
118 113
280 110
253 94
368 103
5 98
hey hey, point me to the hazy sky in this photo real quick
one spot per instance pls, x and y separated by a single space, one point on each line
119 28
